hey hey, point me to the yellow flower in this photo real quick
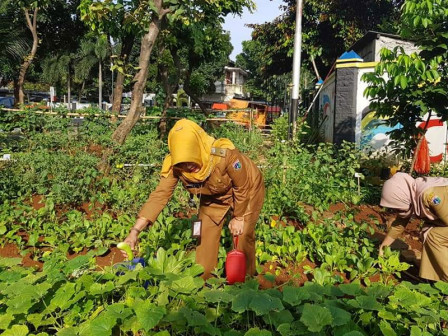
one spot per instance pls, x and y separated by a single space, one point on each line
273 223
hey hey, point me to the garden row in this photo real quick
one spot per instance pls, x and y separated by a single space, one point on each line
82 211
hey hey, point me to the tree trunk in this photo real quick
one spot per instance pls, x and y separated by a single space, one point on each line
128 43
100 84
169 90
81 90
148 40
69 88
32 26
196 99
16 91
168 100
140 77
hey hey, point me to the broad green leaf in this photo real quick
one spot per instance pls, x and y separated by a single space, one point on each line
416 331
351 289
148 314
5 320
128 276
18 305
186 285
102 325
263 303
119 311
406 298
386 329
216 296
162 333
278 318
442 286
99 289
316 317
241 302
16 330
62 296
284 329
366 302
354 333
38 320
194 318
295 295
340 316
258 332
70 331
76 263
9 262
387 315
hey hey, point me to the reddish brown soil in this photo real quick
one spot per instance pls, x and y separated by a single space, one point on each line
92 209
379 220
95 149
38 202
292 274
112 257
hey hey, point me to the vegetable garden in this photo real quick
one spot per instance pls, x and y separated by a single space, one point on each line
319 272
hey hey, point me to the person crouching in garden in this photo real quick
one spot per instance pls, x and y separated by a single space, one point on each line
426 198
222 178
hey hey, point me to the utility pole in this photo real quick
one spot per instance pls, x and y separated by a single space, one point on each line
292 120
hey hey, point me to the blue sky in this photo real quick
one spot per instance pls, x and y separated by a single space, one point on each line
266 11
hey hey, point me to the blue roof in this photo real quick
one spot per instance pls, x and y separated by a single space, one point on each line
349 55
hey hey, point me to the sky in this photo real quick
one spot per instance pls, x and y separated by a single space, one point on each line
266 11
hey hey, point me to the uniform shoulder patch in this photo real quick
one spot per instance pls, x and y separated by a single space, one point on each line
237 165
436 200
219 151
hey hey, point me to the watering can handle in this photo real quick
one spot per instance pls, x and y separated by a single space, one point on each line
235 242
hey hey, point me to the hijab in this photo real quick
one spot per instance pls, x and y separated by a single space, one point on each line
188 142
404 193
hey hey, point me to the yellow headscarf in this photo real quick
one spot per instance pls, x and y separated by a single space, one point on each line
188 142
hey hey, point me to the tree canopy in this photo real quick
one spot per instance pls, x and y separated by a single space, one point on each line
404 88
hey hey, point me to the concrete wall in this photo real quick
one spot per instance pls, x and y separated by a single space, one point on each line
345 104
391 43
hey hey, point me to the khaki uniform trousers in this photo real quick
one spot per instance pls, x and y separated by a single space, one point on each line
434 263
208 246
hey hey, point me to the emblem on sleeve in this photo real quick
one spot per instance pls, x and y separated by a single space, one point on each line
436 200
237 165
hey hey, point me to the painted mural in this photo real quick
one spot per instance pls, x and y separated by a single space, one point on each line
375 135
375 131
326 104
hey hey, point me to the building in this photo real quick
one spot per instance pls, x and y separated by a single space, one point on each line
231 86
342 112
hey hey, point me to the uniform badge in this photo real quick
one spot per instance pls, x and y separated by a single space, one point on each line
237 165
436 200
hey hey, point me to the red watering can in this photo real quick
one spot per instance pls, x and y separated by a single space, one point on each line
235 264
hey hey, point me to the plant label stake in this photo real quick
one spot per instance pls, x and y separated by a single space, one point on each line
235 264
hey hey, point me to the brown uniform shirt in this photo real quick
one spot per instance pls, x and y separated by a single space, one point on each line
232 183
435 199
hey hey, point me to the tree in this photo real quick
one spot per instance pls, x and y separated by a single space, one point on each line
93 51
59 69
328 29
30 9
13 44
404 87
149 15
206 52
116 20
